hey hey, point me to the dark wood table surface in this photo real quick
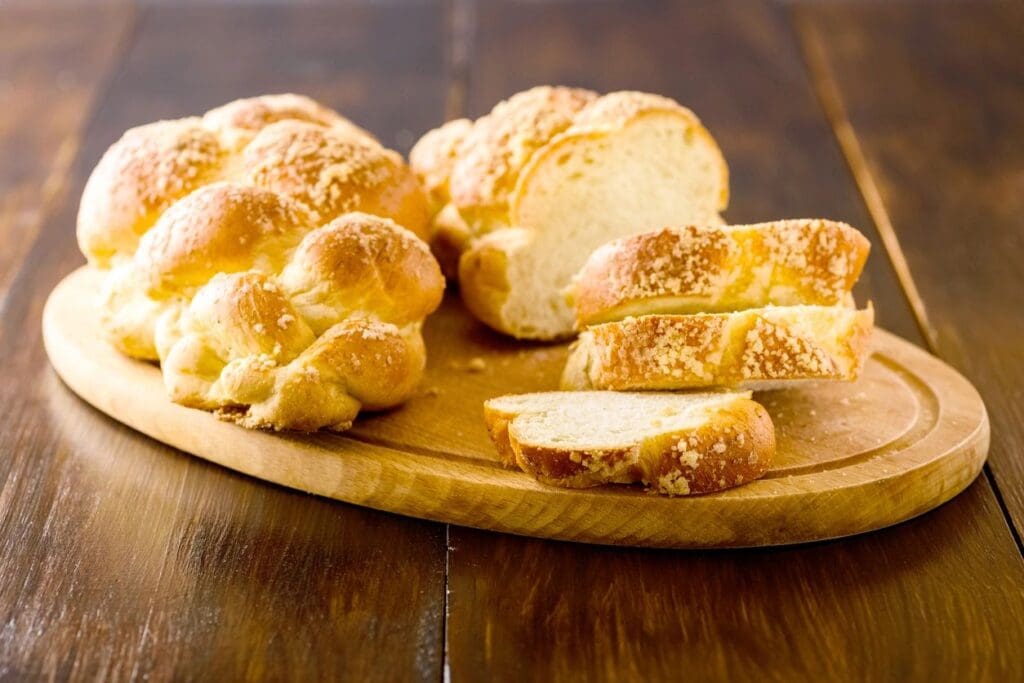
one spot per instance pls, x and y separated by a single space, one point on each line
122 559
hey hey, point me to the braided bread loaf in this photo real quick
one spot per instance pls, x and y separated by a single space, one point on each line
269 254
522 196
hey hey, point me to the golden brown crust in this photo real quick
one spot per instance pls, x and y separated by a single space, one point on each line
434 155
733 444
483 277
222 227
239 121
277 142
734 448
358 263
452 237
139 176
332 174
667 352
499 146
497 422
720 268
243 349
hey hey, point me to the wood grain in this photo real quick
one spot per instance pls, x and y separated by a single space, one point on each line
852 457
521 609
934 102
124 560
52 65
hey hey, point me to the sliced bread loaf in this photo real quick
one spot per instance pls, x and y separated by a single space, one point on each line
756 349
675 444
551 174
709 269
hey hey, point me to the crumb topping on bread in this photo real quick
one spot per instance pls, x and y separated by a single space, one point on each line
719 268
269 256
675 444
668 352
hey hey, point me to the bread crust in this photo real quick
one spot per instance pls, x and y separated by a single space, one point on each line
744 349
433 157
283 143
709 269
483 276
616 110
239 121
499 146
332 174
735 444
337 331
137 178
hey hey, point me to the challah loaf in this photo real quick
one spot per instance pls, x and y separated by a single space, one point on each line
675 444
707 269
528 191
755 349
269 255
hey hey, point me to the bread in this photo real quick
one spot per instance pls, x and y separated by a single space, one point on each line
675 444
707 269
282 143
432 159
270 256
755 349
550 174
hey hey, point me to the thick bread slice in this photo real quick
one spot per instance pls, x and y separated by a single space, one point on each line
630 163
674 443
754 349
710 269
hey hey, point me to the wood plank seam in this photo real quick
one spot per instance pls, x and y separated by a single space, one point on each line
827 90
460 23
56 182
460 29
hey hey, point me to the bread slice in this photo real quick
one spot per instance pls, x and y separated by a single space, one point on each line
709 269
675 444
756 349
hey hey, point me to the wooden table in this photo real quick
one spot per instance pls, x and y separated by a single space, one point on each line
123 559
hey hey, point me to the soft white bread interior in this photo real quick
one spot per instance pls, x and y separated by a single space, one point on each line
549 175
675 444
270 256
756 349
707 269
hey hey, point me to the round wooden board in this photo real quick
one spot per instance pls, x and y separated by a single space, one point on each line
906 437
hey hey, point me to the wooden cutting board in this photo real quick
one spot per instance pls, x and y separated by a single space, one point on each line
906 437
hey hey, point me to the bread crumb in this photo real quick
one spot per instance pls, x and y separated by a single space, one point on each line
476 364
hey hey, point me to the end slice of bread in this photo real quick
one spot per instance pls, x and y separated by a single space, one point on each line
675 444
754 349
603 178
712 269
